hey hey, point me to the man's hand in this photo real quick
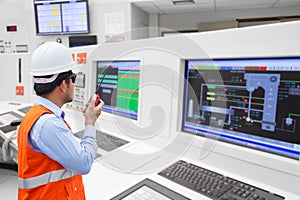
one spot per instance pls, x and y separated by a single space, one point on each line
92 112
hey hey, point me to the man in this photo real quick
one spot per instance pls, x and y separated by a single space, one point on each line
51 159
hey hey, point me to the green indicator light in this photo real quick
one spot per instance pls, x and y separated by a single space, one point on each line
211 87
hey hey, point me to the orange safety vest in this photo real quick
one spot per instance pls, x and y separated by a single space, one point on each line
40 177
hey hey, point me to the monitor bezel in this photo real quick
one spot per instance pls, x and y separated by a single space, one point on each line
233 150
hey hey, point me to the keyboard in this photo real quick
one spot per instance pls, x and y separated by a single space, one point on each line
25 109
146 193
8 128
106 141
214 185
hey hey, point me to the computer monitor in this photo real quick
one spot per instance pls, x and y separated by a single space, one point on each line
61 16
117 83
251 102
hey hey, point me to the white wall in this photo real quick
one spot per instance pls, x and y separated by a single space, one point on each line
189 21
154 25
9 78
98 11
20 13
139 23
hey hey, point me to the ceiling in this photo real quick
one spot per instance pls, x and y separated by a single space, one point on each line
167 6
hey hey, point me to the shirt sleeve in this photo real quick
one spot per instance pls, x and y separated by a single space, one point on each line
51 136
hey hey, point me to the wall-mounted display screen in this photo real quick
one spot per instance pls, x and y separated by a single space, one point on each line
61 17
77 41
117 84
248 102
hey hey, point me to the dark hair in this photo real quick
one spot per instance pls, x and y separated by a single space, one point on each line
46 88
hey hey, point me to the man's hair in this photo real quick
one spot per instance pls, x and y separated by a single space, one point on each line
46 88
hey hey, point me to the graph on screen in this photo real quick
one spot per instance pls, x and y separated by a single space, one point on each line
118 85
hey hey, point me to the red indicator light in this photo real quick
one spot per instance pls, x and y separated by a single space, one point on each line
11 28
262 68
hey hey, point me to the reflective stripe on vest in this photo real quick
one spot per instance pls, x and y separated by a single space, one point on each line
29 183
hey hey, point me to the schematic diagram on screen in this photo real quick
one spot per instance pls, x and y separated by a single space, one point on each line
255 101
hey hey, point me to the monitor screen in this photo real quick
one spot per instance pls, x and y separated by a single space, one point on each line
248 102
77 41
61 17
117 84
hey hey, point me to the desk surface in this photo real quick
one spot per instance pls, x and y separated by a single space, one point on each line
116 171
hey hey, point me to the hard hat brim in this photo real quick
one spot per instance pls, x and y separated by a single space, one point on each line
56 70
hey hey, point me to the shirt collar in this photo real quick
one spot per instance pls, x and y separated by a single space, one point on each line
49 105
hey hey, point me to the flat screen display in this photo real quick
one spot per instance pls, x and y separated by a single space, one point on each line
117 83
61 17
248 102
149 189
77 41
145 192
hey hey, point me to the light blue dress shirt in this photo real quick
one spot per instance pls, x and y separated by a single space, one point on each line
51 136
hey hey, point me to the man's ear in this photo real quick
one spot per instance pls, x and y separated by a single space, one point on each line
63 85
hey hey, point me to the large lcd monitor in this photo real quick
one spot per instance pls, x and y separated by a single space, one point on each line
117 83
248 102
61 16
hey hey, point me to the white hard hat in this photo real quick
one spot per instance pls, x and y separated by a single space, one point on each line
51 58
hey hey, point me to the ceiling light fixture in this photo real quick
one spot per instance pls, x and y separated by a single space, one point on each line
183 2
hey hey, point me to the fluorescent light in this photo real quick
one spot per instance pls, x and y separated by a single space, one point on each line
183 2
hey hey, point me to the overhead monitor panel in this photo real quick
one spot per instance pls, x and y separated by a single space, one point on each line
248 102
61 16
117 84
